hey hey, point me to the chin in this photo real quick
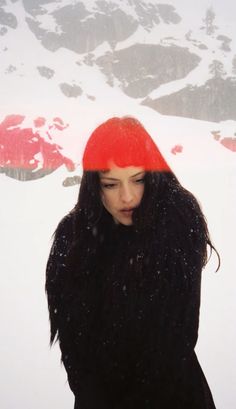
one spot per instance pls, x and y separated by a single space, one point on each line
126 222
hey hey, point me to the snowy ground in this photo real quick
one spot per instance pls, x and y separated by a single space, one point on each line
29 213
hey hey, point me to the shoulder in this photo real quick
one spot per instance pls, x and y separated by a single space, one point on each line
183 223
63 236
65 225
184 208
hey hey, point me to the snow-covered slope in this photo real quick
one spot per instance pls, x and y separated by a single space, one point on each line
84 61
56 53
30 212
66 66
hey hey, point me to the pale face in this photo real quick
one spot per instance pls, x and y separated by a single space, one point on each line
121 191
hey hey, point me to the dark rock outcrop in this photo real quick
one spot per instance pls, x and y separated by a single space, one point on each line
141 68
213 101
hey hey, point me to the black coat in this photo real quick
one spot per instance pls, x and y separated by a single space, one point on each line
128 322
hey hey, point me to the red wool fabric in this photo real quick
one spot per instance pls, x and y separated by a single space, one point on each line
125 142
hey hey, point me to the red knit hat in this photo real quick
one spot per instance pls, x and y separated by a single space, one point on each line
125 142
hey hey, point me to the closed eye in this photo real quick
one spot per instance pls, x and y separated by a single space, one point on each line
108 185
140 180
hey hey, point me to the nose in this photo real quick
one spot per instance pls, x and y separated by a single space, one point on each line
126 194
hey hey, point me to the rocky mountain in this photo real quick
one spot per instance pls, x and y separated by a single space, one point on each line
218 98
82 29
25 154
75 52
138 70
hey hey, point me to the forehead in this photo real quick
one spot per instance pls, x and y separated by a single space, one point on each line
117 172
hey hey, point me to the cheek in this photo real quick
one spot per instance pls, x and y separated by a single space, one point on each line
105 200
140 192
109 200
102 196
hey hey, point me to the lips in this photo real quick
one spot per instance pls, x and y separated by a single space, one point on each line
127 211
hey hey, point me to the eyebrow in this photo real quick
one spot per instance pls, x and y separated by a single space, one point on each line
133 176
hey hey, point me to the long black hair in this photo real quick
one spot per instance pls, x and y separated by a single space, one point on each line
164 198
169 220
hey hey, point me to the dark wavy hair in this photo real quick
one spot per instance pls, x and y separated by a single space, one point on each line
126 142
164 199
169 216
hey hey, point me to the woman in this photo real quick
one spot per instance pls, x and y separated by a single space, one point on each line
123 279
